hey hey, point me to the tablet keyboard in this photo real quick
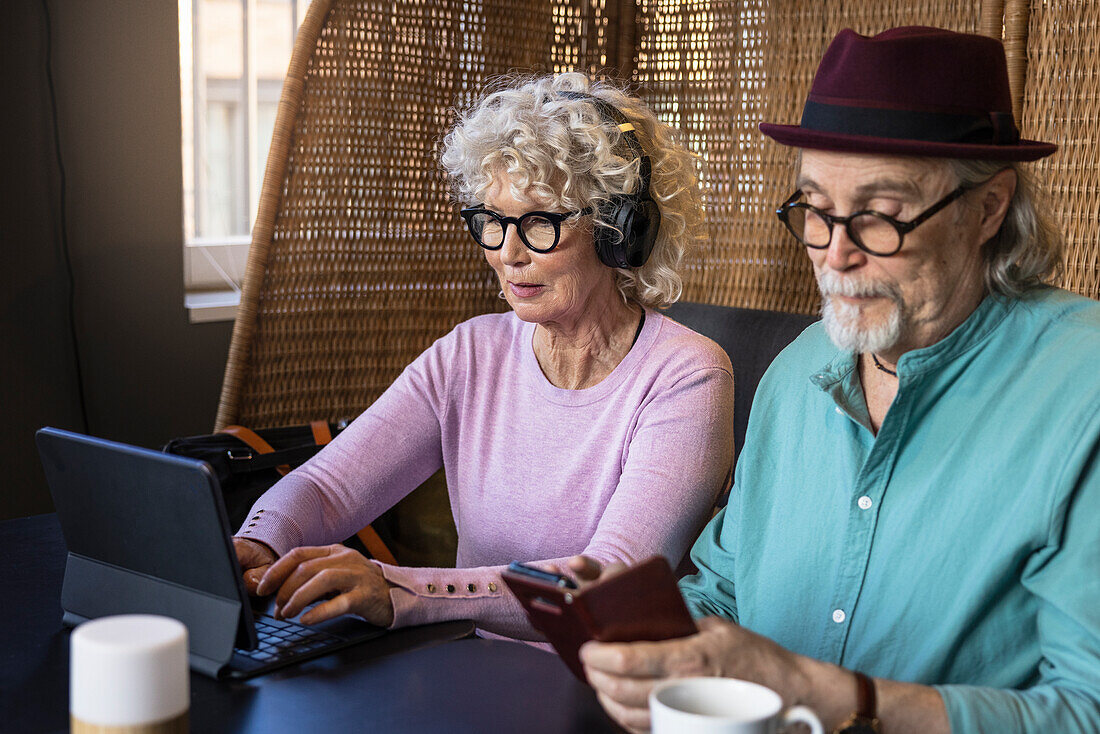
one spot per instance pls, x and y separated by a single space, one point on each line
280 639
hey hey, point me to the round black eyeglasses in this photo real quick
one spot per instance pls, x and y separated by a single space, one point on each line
539 231
873 232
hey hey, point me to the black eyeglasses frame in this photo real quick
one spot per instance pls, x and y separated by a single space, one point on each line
902 228
555 218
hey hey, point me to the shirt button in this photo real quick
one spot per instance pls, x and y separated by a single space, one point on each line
492 586
471 588
430 588
450 588
864 502
839 616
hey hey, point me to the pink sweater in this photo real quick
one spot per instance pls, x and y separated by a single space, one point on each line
619 471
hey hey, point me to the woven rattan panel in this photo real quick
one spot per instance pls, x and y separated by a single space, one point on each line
1062 105
716 70
368 262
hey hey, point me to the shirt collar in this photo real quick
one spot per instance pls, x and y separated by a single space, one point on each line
978 325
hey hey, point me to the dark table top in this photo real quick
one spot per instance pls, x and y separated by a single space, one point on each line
404 682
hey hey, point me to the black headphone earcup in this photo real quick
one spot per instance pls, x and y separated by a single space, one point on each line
639 221
645 223
626 222
610 246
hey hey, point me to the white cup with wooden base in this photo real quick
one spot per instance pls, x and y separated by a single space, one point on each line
128 674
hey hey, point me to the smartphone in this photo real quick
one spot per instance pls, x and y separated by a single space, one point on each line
522 569
640 603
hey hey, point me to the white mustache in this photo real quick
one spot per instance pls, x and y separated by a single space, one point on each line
831 283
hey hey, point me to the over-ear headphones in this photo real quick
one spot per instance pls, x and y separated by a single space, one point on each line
635 218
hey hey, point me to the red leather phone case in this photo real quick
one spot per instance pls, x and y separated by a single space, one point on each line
641 603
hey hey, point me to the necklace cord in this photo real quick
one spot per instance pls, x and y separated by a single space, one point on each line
878 364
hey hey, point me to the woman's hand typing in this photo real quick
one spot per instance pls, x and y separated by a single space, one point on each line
350 583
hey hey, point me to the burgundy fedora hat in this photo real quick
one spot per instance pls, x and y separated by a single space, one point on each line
912 90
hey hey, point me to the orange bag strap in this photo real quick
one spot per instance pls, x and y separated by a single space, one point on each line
322 434
254 442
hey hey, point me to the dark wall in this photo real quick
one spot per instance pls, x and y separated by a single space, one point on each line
148 374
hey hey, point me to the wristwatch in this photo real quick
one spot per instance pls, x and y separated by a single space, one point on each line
864 719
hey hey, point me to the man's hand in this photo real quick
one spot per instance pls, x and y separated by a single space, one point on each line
351 584
255 558
623 674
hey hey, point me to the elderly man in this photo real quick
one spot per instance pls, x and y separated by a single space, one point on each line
916 513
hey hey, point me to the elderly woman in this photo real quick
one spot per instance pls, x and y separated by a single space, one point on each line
582 421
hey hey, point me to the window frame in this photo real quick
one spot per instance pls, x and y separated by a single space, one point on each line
211 290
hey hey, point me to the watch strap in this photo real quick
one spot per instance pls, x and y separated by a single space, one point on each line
864 719
866 704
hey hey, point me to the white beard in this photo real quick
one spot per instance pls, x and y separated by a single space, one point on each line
842 320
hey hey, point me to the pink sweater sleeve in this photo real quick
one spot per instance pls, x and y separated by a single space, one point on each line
388 451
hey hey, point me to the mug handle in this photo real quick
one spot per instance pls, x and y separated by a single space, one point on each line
802 714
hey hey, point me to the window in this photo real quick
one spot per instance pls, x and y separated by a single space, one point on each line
233 57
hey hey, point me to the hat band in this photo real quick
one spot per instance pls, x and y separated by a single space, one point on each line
993 128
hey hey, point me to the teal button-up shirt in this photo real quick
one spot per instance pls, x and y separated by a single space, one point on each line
960 547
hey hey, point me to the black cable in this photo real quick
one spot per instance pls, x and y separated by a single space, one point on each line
70 294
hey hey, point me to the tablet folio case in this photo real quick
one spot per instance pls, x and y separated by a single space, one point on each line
641 603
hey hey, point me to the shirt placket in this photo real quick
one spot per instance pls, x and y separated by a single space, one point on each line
864 501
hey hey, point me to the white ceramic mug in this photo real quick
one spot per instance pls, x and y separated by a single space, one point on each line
723 706
128 674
